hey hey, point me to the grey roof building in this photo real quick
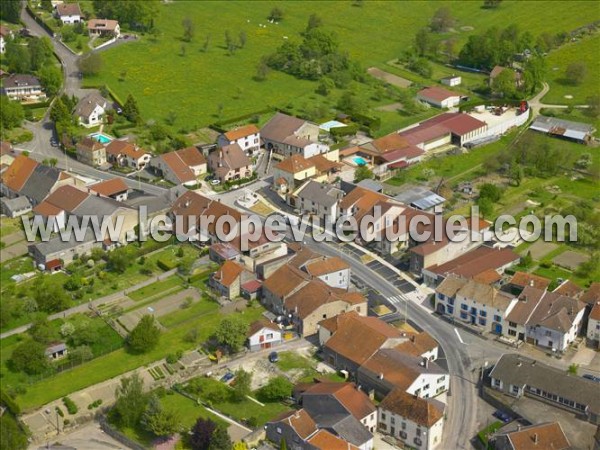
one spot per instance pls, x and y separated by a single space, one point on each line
15 207
420 198
372 185
577 131
518 375
58 249
39 185
319 199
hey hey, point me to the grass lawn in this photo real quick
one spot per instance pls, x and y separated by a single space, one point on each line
487 431
160 72
120 361
291 360
154 289
205 306
586 51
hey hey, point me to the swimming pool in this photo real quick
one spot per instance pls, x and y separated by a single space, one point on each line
359 161
102 138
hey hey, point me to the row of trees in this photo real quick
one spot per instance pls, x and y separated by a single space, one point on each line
136 14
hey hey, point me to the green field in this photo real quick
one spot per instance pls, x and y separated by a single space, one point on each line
587 51
165 74
168 285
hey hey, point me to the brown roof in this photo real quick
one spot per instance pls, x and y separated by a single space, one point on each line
538 437
87 144
595 312
191 156
480 292
280 127
258 325
489 276
285 280
348 394
523 279
191 204
423 412
4 31
68 9
418 344
325 266
592 295
5 147
309 297
437 93
46 209
324 440
496 71
361 200
323 164
237 133
18 172
229 157
102 24
66 198
301 422
333 323
295 164
110 187
117 147
357 338
476 262
228 273
569 289
390 142
180 169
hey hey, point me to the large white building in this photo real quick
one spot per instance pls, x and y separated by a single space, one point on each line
247 137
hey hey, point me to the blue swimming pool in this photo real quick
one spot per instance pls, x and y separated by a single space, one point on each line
102 138
359 161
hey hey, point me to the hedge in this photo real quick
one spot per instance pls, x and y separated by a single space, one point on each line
218 126
9 402
165 266
372 122
70 405
344 131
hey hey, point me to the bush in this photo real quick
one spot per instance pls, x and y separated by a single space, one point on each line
59 411
70 405
165 266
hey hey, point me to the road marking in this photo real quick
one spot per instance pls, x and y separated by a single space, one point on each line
459 338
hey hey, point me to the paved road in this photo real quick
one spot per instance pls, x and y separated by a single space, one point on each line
536 102
84 307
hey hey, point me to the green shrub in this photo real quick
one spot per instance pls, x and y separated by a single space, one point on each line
59 411
70 405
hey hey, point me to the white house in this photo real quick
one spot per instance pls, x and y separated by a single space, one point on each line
333 271
247 137
593 327
477 304
264 334
413 421
90 110
451 80
23 87
288 135
5 35
439 97
104 27
68 13
319 199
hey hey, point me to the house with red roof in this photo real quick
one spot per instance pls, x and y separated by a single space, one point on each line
181 166
247 137
263 334
227 281
115 188
439 97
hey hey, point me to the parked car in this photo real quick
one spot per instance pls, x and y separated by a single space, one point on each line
501 415
273 357
588 376
215 182
227 377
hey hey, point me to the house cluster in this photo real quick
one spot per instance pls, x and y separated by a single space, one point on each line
70 14
521 308
395 367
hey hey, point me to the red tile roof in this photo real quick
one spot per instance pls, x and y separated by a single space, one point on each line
437 93
110 187
237 133
18 172
423 412
251 286
476 262
295 164
228 273
66 198
258 325
324 440
348 394
523 279
326 266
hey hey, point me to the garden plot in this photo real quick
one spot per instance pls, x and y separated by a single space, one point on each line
160 308
390 78
540 249
570 260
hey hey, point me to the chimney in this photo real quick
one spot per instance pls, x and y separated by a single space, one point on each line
531 283
426 362
412 338
535 438
380 376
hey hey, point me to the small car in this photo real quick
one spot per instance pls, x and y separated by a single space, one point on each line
273 357
215 182
588 376
227 377
501 415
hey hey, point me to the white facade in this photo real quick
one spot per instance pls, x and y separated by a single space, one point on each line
556 340
429 385
409 432
94 119
449 102
593 327
2 44
70 20
316 148
265 338
370 421
248 143
339 279
451 81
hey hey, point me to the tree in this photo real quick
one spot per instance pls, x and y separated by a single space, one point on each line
220 439
242 386
130 109
486 207
516 174
277 388
49 296
18 58
527 260
40 51
573 368
362 173
11 113
534 73
231 332
243 37
30 357
131 401
423 41
81 353
491 191
276 14
51 79
326 85
504 83
593 102
442 20
202 432
13 437
314 21
137 14
144 337
42 331
576 72
262 70
11 10
59 112
118 260
188 29
159 421
90 63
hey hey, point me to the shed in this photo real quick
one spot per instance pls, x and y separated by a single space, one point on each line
56 351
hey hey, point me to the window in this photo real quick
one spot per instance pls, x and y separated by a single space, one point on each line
418 432
372 416
482 313
382 416
270 336
512 332
450 301
450 310
418 442
382 426
482 321
496 382
441 296
497 318
514 389
548 333
463 315
404 425
392 420
426 387
512 324
464 307
441 380
403 435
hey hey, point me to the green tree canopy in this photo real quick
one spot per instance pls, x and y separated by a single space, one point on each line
11 113
362 173
144 337
11 10
231 332
130 109
131 401
51 79
159 421
277 388
30 357
242 386
13 437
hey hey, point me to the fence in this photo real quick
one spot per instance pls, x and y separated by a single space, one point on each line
117 435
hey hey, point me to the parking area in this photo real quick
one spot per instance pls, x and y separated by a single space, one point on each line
391 276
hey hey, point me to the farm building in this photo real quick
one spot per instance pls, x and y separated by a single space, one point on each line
575 131
439 97
452 80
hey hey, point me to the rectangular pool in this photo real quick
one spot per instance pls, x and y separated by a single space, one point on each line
359 161
102 138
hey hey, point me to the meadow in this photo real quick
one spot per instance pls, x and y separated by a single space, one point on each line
587 51
166 74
